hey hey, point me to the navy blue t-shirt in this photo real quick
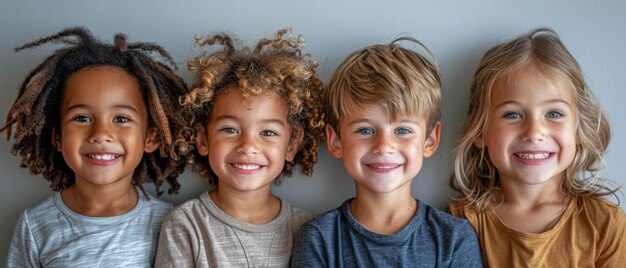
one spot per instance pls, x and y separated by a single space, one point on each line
433 238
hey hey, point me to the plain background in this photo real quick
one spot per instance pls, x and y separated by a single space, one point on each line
458 32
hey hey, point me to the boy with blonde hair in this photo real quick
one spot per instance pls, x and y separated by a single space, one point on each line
383 108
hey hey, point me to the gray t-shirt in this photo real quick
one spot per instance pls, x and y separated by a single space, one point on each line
198 233
52 235
432 238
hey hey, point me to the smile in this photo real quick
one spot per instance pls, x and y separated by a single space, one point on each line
532 156
384 167
104 157
246 167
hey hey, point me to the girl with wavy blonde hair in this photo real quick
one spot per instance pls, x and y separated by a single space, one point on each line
528 161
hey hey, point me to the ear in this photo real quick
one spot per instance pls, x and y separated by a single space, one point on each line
294 144
480 142
432 141
152 141
333 142
201 139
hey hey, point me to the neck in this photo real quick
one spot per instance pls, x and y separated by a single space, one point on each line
383 213
528 196
256 207
100 201
531 208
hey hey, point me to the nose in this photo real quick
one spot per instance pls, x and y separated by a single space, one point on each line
534 130
385 144
248 145
101 133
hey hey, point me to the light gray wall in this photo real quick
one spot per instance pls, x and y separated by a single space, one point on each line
458 32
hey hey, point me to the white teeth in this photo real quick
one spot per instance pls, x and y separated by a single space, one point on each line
105 157
533 156
246 167
384 167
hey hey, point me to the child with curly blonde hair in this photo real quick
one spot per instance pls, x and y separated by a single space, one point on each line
528 162
257 114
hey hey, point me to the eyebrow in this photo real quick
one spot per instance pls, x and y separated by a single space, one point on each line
551 101
268 121
357 121
119 106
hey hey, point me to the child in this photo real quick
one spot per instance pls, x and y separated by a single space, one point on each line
90 118
258 113
529 159
383 111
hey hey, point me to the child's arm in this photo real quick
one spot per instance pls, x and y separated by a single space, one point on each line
177 242
23 251
466 249
614 250
308 250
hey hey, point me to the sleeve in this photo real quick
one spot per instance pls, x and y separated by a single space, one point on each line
466 249
23 251
177 242
613 252
308 250
455 210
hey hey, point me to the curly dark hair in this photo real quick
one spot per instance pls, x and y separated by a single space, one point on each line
36 111
275 65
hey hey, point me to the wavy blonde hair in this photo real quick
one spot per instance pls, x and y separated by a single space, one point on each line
541 50
400 79
275 65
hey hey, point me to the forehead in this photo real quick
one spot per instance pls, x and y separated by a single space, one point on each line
531 82
376 112
232 101
103 85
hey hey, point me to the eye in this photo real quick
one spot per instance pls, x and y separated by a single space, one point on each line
268 133
229 130
365 131
82 119
512 115
121 119
554 114
403 131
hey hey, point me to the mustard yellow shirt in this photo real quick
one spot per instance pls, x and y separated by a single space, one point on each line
590 233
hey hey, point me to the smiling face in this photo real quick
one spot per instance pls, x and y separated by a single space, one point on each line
247 140
380 153
531 130
104 126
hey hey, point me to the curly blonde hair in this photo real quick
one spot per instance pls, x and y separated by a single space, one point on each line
541 49
276 66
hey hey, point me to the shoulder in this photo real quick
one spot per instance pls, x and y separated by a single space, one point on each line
39 219
462 210
443 221
601 211
45 209
158 205
327 219
189 211
44 215
296 216
324 223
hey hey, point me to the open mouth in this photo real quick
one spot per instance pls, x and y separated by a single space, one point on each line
246 166
384 167
103 157
529 156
